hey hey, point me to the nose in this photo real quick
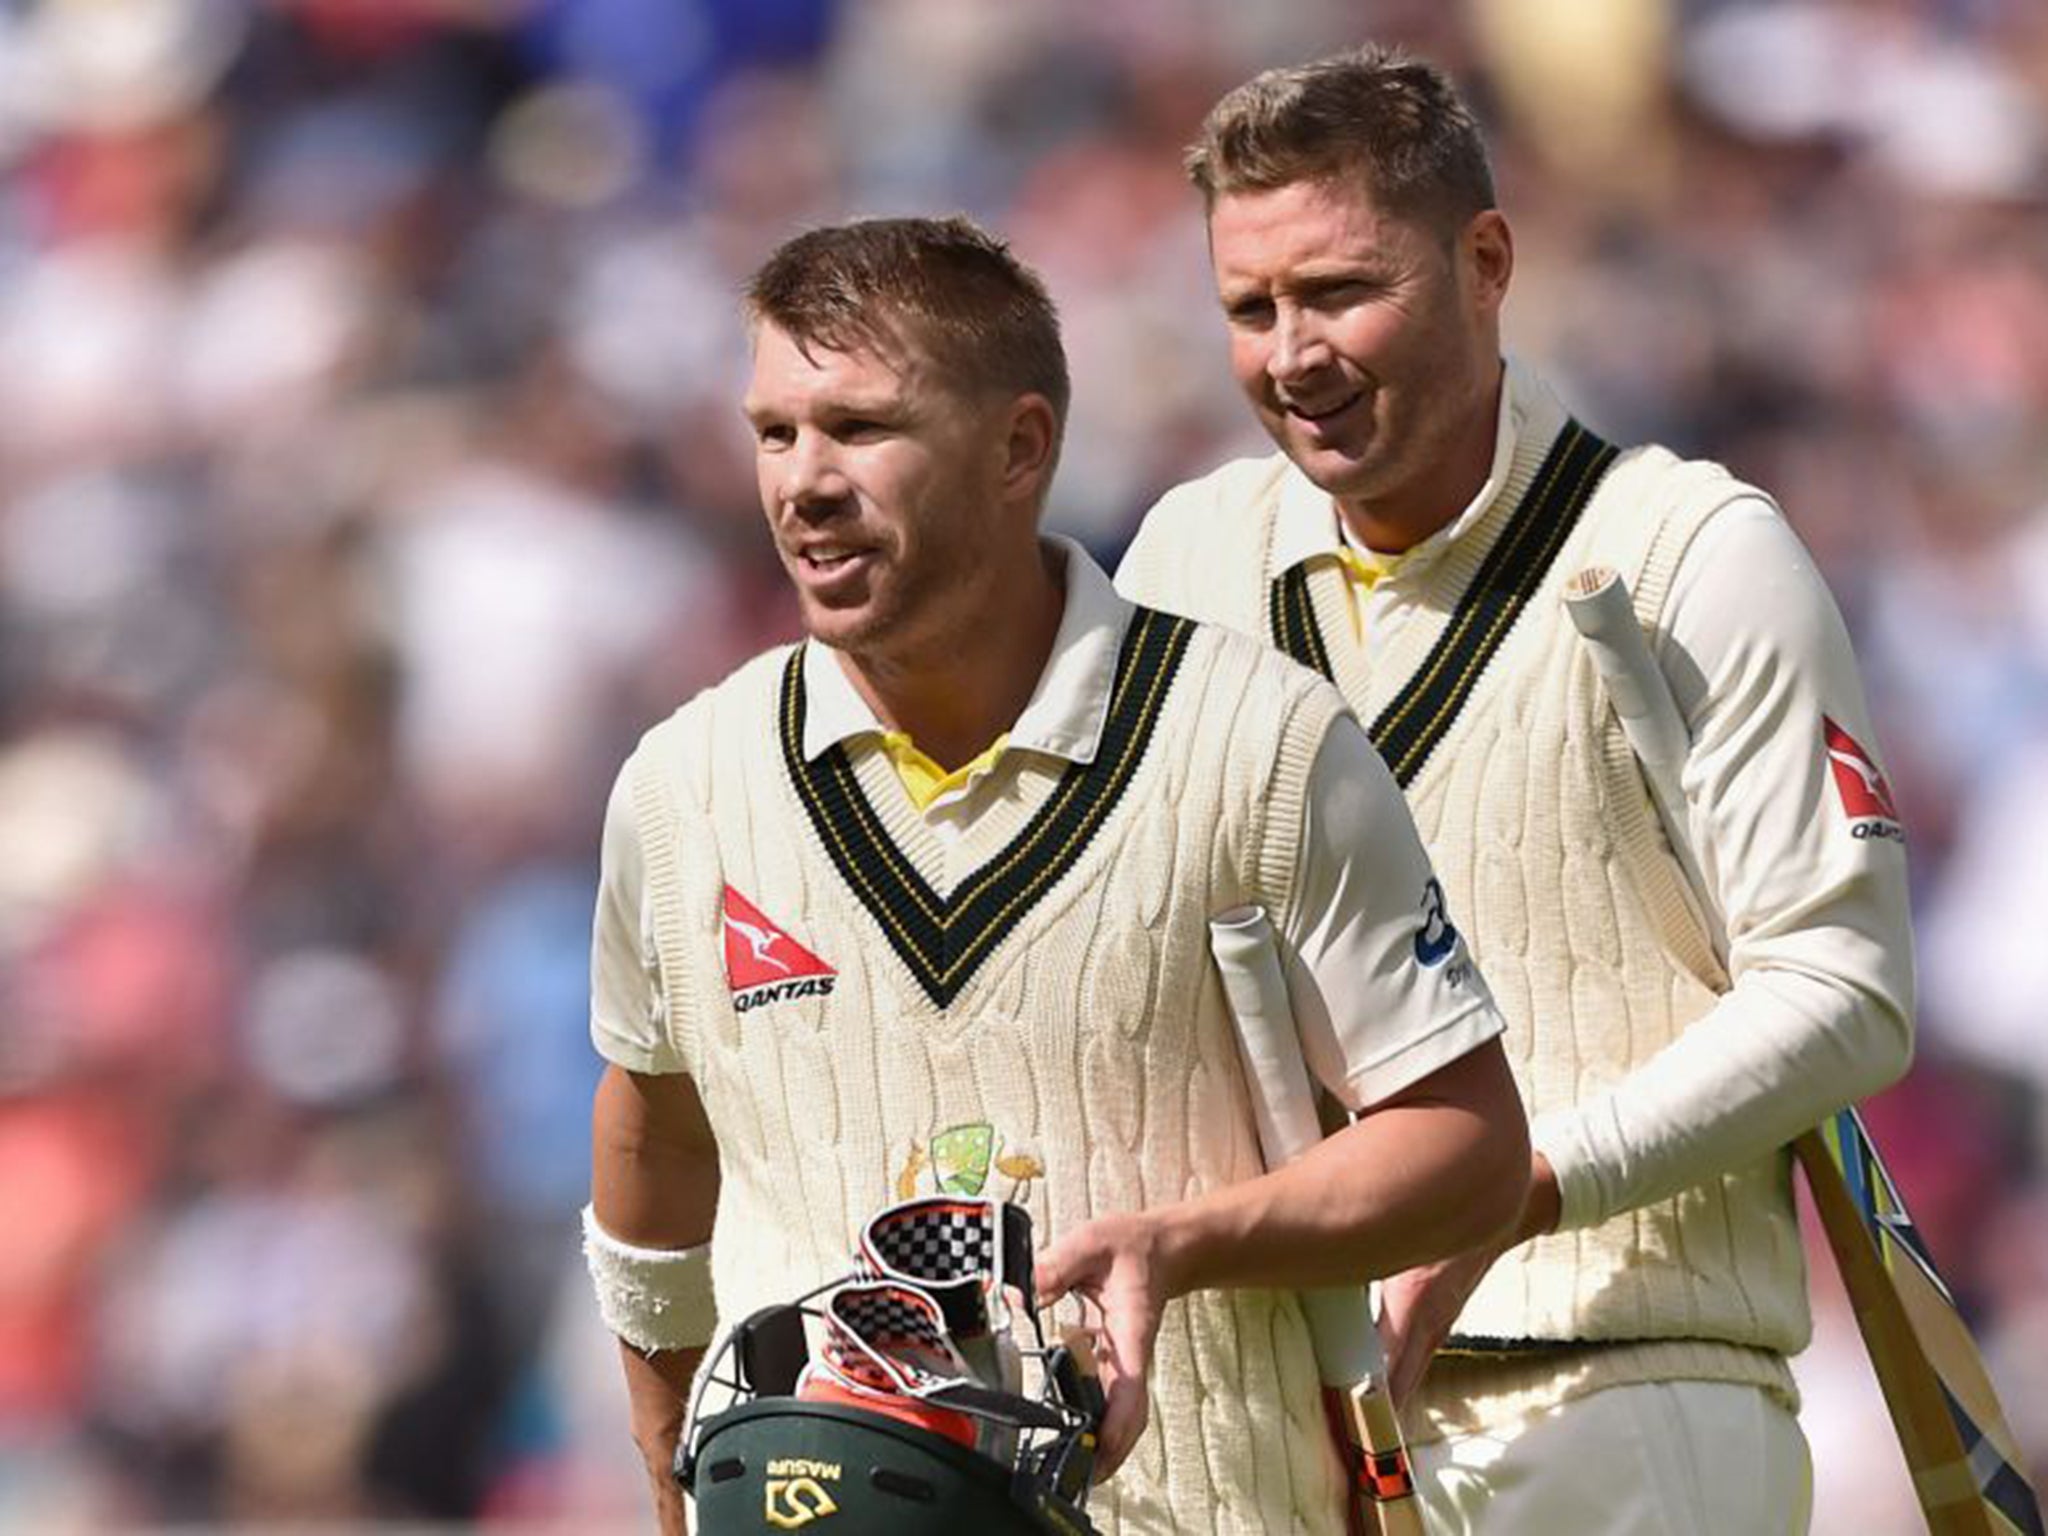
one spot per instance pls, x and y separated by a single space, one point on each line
1299 348
810 482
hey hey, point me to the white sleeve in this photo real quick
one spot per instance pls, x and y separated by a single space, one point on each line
1383 989
628 1012
1809 879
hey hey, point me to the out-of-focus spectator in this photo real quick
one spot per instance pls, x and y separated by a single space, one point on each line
371 475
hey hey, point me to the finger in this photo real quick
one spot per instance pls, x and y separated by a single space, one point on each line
1396 1326
1056 1268
1123 1421
1421 1335
1128 1326
1397 1333
1394 1329
1404 1371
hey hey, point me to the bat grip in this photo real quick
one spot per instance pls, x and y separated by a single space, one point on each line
1349 1357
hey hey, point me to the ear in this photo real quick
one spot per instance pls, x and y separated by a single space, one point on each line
1030 446
1487 252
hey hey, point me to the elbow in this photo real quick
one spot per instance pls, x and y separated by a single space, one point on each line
1881 1047
1500 1160
1892 1051
1500 1180
1485 1199
1482 1202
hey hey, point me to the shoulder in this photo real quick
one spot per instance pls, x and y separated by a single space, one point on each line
1225 500
1648 514
1748 594
1267 680
754 684
1651 477
1233 487
1199 542
739 709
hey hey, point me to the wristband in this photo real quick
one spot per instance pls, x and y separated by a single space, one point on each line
653 1298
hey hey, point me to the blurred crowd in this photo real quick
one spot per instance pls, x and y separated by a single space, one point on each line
371 475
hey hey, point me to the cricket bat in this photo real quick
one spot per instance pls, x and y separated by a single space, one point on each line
1340 1322
1959 1450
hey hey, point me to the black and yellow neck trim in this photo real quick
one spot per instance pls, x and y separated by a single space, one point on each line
1420 716
943 941
1293 617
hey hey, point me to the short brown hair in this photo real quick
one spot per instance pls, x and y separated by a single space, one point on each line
947 285
1374 111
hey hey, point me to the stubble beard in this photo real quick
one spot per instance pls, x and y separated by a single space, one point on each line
1336 472
891 629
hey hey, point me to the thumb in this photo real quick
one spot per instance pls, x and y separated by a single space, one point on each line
1126 1412
1420 1306
1393 1321
1406 1372
1057 1269
1049 1276
1397 1325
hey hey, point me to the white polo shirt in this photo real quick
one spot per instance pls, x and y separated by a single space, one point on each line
1819 940
1384 989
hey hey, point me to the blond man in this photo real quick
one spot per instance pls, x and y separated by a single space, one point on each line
1614 1362
927 895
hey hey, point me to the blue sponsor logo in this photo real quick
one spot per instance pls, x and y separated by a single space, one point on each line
1437 938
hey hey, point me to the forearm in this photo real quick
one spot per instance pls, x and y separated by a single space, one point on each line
1759 663
1433 1172
1778 1054
658 1399
654 1195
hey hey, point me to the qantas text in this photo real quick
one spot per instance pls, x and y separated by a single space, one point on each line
782 991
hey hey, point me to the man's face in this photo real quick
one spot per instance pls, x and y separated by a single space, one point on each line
1364 340
880 486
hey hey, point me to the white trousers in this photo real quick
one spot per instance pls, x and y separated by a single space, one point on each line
1680 1458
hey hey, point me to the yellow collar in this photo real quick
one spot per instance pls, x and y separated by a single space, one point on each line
924 780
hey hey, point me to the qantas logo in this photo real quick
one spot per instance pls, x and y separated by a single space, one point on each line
1866 798
763 964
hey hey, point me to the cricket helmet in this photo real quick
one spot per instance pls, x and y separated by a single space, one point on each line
892 1401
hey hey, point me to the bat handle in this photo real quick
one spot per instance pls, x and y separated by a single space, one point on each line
1386 1476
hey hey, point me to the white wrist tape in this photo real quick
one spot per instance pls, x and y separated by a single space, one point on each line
653 1298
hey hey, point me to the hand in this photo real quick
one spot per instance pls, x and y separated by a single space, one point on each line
657 1392
1113 1266
1419 1305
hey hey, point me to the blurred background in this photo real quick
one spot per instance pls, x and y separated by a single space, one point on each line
371 475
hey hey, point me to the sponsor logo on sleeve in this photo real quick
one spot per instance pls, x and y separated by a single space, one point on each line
1866 797
763 964
1437 938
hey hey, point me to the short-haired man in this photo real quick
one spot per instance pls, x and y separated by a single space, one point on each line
1623 1359
942 875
